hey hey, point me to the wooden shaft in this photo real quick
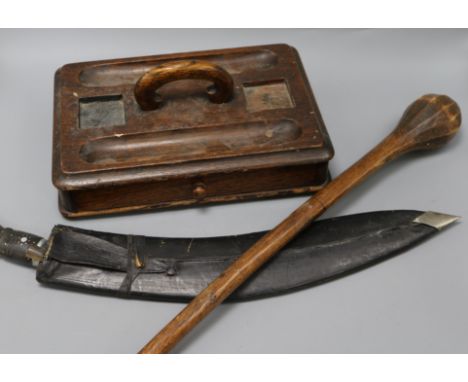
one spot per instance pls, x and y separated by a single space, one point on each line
256 256
431 132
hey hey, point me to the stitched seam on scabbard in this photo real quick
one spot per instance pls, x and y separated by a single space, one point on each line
132 271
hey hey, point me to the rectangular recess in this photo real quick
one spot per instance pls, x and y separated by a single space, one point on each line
267 95
125 159
103 111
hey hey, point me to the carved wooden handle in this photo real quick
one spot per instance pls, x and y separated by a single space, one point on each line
145 89
428 123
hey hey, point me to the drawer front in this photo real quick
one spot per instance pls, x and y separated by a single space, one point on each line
220 187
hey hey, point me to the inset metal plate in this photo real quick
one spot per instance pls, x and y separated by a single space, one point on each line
267 96
103 111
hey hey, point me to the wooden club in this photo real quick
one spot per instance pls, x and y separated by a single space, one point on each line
427 123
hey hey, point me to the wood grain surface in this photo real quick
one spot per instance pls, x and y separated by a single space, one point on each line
143 132
427 123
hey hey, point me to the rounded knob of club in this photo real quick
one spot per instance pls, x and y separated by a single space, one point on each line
428 123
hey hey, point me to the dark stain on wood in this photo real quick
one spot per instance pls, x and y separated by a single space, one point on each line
140 133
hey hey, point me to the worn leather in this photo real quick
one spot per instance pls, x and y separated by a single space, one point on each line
179 268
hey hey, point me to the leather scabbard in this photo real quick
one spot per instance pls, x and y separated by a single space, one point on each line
179 268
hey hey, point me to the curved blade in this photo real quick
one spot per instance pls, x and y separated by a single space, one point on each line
178 269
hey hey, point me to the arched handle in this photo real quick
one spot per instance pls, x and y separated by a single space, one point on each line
145 89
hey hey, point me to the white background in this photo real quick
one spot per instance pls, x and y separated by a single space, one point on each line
362 80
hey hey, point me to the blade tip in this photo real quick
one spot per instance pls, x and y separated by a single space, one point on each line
436 220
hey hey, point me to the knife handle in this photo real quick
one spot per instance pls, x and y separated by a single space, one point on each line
22 246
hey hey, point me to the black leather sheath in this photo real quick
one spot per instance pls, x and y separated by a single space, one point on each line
178 269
